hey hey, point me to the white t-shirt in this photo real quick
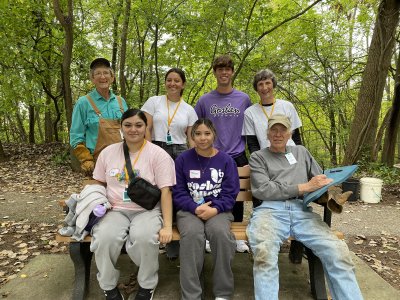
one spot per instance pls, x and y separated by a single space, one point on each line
185 117
256 123
154 165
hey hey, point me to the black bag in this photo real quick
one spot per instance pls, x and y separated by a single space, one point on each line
144 193
140 190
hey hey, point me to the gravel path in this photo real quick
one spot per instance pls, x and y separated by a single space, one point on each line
367 219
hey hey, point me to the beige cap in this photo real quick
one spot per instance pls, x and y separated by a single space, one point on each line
279 119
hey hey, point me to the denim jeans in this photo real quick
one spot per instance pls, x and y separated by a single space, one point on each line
272 223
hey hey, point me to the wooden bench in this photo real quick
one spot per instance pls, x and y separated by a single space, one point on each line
82 257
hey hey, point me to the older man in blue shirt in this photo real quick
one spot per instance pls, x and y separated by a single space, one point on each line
95 118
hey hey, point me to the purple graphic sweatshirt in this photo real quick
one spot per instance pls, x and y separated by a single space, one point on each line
216 179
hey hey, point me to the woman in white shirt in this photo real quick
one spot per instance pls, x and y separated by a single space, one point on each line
170 118
169 125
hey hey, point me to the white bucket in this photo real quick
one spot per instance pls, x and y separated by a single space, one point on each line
370 190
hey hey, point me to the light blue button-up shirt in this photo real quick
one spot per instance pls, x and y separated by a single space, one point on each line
85 121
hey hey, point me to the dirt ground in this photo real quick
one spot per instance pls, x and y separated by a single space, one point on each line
32 182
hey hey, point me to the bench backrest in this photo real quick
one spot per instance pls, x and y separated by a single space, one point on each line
245 188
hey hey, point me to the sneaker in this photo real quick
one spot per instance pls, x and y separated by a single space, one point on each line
241 246
144 294
208 248
220 298
113 294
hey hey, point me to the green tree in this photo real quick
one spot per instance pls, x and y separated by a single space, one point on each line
364 127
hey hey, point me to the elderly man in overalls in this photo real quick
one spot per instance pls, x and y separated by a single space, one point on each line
95 118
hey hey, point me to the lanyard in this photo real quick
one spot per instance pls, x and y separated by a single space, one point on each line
134 162
176 109
265 113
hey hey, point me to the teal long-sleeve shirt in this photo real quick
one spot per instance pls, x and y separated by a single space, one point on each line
85 121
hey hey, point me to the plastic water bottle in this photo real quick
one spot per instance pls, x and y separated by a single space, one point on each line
98 212
198 199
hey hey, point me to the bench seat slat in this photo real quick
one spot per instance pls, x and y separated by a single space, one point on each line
238 229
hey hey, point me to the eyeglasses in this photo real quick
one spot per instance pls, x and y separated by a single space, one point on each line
104 73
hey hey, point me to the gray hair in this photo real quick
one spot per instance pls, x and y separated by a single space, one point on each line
264 75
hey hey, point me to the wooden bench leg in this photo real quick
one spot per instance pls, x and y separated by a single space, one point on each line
296 252
317 276
82 258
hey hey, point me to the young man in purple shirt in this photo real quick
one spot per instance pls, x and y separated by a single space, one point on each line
225 107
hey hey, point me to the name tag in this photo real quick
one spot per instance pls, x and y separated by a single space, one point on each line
168 139
291 159
125 197
194 174
114 172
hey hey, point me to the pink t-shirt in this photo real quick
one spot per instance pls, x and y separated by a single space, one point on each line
154 165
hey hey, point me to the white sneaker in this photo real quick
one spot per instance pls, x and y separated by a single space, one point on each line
241 246
208 248
219 298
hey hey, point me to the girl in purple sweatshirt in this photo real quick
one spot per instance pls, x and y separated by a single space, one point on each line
207 183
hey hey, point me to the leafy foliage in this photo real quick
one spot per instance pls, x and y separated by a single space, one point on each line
317 50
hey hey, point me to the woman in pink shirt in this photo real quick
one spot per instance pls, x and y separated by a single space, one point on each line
128 223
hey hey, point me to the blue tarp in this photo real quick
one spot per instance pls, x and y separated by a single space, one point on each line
338 175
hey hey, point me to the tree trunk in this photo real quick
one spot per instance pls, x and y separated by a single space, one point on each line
48 129
391 133
398 146
156 59
3 156
124 36
392 129
39 125
365 123
20 124
58 118
13 133
31 124
115 41
379 136
67 23
332 136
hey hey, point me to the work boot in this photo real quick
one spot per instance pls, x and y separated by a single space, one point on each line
336 199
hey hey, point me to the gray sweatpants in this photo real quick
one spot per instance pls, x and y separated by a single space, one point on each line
139 232
194 233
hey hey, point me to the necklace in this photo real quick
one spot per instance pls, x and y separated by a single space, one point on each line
208 162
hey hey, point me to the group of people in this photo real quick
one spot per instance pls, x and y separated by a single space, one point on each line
192 155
